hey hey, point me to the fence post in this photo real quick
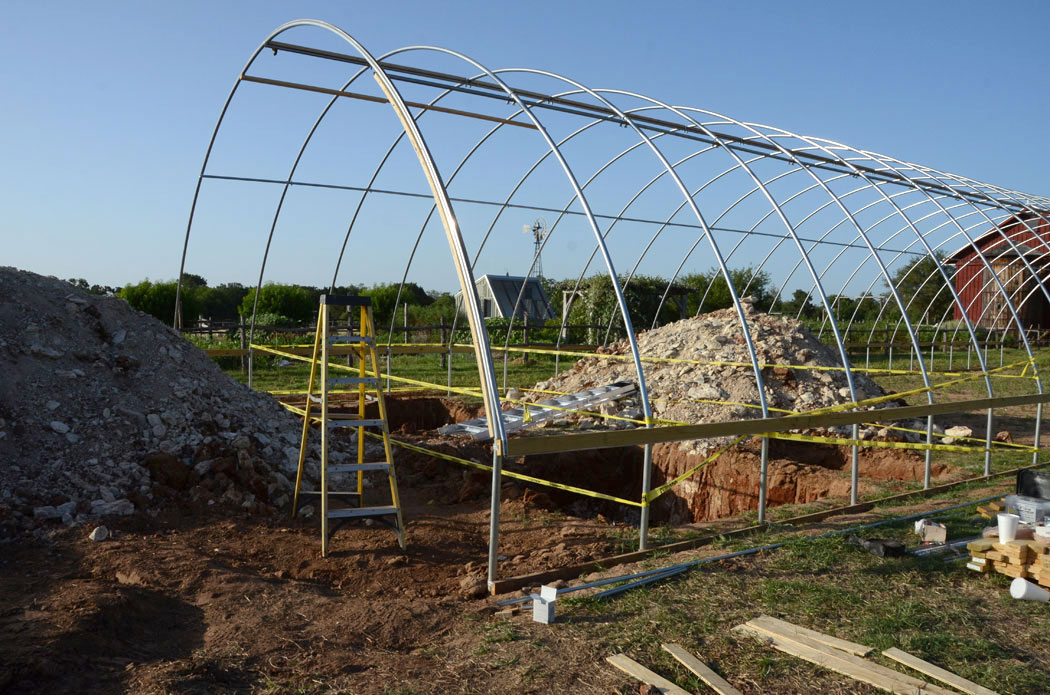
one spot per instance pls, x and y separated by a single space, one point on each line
405 313
244 345
441 355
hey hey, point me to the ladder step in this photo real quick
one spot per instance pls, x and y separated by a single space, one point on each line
369 380
367 339
352 467
389 510
335 421
332 493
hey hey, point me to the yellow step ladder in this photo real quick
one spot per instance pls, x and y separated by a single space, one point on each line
350 503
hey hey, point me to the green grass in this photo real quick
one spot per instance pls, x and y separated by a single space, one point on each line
938 611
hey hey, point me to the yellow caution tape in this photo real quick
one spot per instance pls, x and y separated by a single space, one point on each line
656 492
483 467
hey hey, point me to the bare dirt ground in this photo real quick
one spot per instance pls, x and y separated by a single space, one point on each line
199 602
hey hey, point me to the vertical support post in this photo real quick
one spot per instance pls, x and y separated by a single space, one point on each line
763 480
969 353
405 305
497 474
951 351
929 453
388 369
1002 347
647 481
1035 433
854 468
867 357
449 373
251 366
244 345
324 429
891 356
988 444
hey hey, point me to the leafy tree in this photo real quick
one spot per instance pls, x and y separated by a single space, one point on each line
81 283
294 301
711 288
384 295
158 299
922 289
222 301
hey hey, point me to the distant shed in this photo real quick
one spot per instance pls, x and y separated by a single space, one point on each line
499 293
1027 236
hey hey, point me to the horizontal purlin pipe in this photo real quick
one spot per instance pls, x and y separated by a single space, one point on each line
550 101
382 100
540 208
599 440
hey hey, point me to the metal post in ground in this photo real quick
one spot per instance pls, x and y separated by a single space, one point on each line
1035 433
647 479
854 468
763 480
929 453
497 473
988 444
251 365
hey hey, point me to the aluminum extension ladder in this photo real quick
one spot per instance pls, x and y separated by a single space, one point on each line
520 418
350 503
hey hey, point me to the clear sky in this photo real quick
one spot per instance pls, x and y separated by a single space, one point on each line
108 106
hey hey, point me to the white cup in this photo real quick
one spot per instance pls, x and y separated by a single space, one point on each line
1027 591
1008 527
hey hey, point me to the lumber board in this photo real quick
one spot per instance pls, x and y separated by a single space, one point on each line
702 670
634 669
847 657
790 629
614 438
934 671
842 663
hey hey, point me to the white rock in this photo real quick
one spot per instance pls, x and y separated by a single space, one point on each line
100 533
51 405
59 426
959 431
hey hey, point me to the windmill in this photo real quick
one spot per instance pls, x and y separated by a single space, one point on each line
539 232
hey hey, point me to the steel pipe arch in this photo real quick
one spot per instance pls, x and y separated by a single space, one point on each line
839 234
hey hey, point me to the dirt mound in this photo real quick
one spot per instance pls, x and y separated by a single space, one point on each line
723 387
105 411
702 373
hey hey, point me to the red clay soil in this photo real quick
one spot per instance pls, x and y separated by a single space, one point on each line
199 603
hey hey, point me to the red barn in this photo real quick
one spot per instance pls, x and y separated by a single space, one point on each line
1027 236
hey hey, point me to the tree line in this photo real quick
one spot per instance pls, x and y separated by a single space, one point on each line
919 284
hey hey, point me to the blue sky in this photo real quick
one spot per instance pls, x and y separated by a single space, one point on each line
109 107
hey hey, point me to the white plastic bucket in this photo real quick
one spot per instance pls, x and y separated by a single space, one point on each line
1027 591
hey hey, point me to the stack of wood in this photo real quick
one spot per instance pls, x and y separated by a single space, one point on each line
1025 559
990 510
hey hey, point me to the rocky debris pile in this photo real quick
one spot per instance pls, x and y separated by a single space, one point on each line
106 411
717 390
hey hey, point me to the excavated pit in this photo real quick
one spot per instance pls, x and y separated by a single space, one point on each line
798 473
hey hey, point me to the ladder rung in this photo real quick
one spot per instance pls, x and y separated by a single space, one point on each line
353 422
352 467
370 380
351 339
390 510
331 493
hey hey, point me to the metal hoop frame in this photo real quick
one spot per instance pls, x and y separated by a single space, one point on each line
895 213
